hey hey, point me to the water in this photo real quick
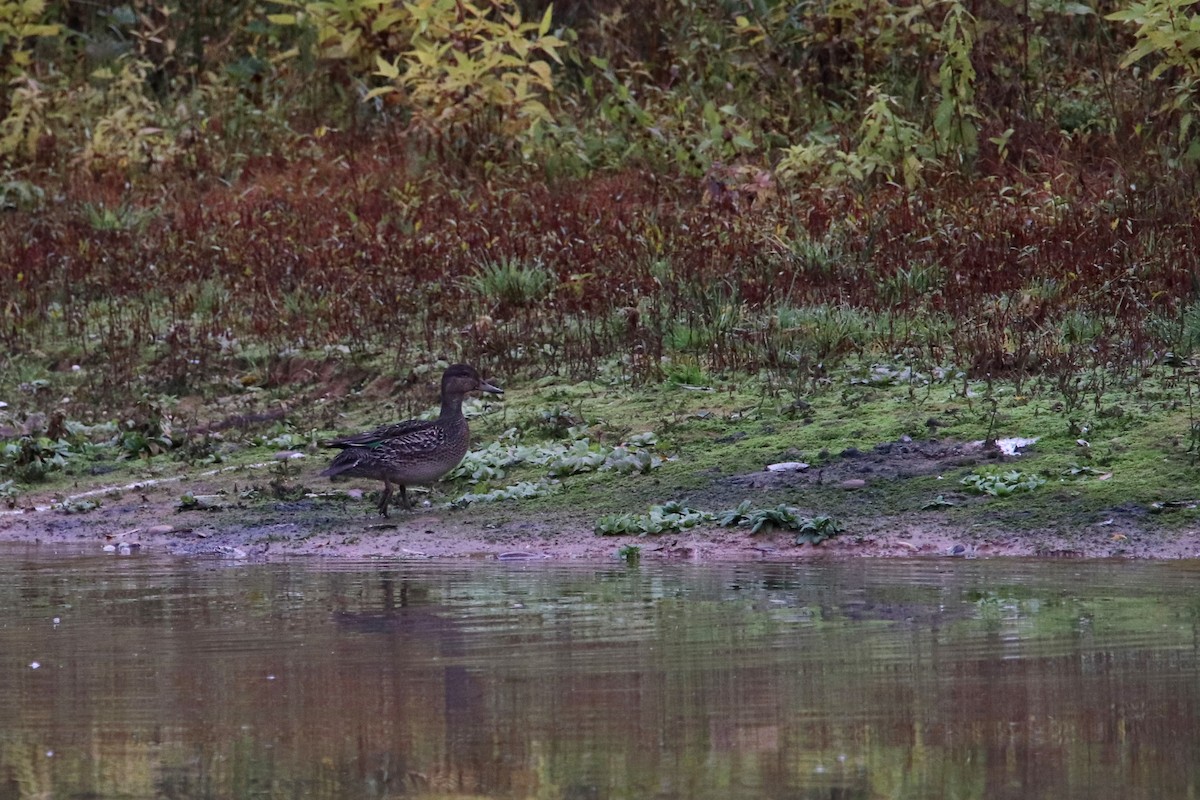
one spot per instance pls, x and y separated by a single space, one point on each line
874 679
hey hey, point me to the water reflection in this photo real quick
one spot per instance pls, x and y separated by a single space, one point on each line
863 679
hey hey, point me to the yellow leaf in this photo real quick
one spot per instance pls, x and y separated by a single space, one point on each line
544 27
391 71
379 91
542 70
282 19
39 30
551 44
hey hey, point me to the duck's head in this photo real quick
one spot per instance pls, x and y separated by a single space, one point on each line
462 378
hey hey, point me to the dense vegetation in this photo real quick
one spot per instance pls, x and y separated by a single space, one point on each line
197 195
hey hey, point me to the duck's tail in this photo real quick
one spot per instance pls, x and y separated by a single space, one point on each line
344 462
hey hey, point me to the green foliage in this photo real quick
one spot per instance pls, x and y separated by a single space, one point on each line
674 516
22 21
823 331
954 122
511 283
561 459
25 119
128 131
889 145
31 458
471 66
460 69
518 491
1002 484
631 554
122 217
632 457
1168 34
138 443
670 516
937 504
817 529
77 505
813 530
148 433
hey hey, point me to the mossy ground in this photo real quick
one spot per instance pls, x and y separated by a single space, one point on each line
883 454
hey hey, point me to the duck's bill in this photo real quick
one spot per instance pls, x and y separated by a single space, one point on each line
487 387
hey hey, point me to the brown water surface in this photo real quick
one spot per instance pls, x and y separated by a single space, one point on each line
137 677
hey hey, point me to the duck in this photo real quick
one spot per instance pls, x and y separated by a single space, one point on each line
413 451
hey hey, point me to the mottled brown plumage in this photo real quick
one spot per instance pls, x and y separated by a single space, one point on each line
413 451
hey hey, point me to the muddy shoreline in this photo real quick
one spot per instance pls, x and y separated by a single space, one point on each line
146 517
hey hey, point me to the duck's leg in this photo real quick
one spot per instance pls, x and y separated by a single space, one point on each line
404 498
387 494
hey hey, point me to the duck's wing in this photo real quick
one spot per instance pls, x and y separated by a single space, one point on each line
413 441
373 438
366 451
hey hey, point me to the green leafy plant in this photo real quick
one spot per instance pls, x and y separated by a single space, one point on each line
122 217
141 443
936 503
1002 484
462 70
518 491
31 458
954 121
79 505
1167 33
813 530
129 132
631 554
510 283
671 516
817 529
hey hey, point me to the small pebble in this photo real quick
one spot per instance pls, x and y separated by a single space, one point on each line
852 483
787 466
158 530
